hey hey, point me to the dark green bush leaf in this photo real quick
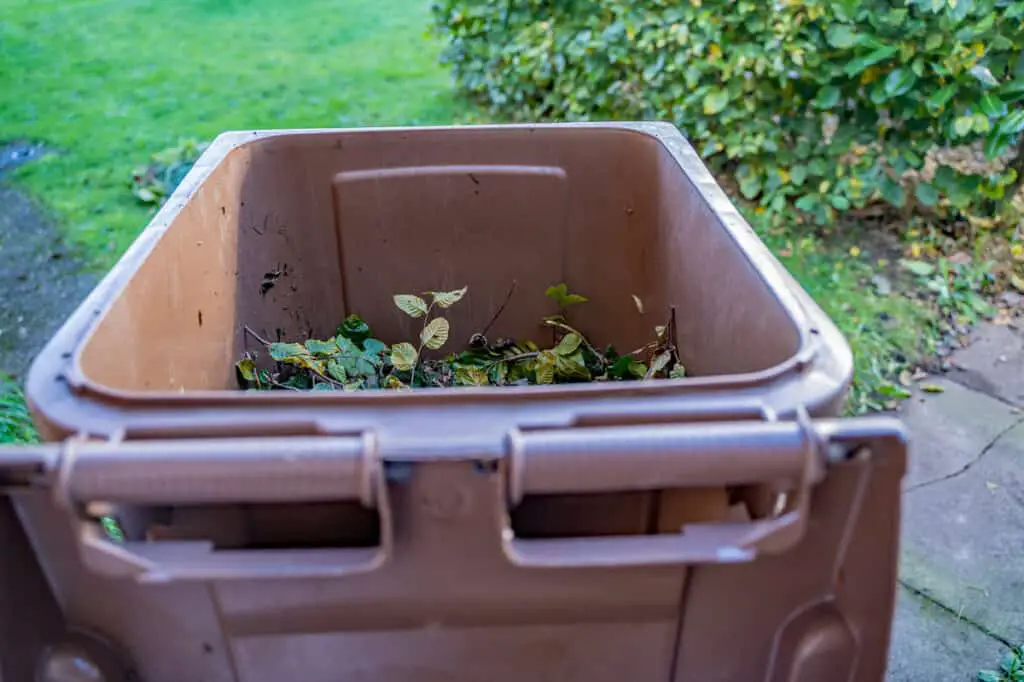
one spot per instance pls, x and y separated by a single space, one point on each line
926 194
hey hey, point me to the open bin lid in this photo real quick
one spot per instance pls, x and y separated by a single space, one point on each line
791 456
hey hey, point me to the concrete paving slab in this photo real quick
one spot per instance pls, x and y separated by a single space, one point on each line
931 645
963 538
949 429
993 363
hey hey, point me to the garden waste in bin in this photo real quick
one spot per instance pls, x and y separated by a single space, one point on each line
724 526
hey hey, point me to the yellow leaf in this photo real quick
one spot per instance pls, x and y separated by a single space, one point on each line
979 49
1018 282
446 299
915 250
435 334
714 52
403 356
413 306
870 75
784 176
854 251
1017 250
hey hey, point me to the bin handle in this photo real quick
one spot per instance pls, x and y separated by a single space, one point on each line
176 472
664 456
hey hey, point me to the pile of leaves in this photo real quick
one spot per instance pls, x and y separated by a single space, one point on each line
354 359
823 106
155 181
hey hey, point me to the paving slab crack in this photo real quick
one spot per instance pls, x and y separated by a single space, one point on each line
966 467
924 596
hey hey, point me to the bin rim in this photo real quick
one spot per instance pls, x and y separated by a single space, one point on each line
819 342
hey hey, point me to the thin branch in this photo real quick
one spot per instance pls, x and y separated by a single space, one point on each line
501 308
253 334
514 358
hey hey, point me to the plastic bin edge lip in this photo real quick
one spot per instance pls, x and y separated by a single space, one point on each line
818 339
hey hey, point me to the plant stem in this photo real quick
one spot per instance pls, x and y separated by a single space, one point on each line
501 308
256 336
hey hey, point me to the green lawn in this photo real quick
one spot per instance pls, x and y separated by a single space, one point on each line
108 82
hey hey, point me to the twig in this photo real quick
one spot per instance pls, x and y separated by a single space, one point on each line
286 387
514 358
250 332
501 308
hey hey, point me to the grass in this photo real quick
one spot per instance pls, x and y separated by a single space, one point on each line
15 423
106 83
888 333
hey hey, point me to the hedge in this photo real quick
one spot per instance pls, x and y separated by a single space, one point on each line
820 105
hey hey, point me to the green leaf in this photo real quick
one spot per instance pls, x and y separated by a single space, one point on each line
991 105
373 347
962 125
892 192
941 97
839 202
893 391
841 36
1012 124
395 384
926 194
569 344
807 203
989 676
323 348
447 299
560 295
918 267
572 367
899 82
354 329
933 41
996 144
435 334
413 306
677 372
827 97
336 370
798 174
247 370
932 388
715 101
287 352
750 186
984 75
471 376
545 367
856 66
403 356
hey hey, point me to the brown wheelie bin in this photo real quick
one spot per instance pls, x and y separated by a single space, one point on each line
727 526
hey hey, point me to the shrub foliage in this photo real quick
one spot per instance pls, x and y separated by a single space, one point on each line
825 105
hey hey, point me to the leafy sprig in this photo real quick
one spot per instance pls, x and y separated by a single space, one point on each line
354 359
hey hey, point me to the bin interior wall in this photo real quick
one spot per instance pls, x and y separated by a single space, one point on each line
288 234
